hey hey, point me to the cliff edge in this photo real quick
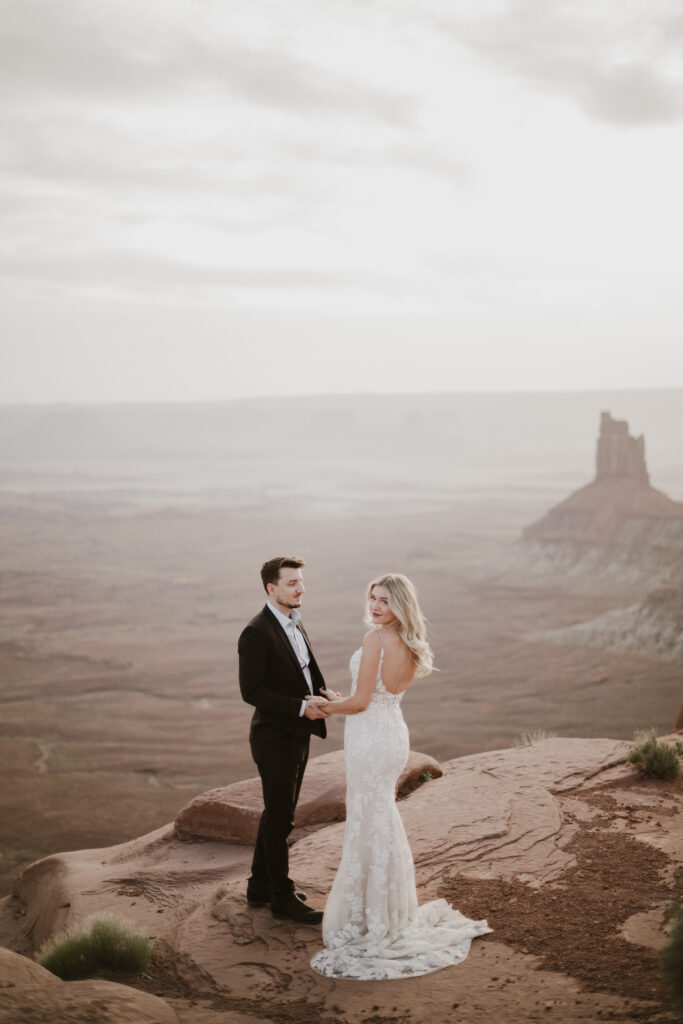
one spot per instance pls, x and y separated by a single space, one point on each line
570 855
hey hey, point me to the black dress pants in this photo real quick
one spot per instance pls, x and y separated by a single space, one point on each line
281 762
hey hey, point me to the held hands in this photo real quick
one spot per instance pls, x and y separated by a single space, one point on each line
331 694
316 708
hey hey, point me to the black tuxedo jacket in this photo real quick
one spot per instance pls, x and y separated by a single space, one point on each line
272 679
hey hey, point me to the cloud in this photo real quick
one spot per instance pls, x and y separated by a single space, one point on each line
621 64
108 52
147 107
135 271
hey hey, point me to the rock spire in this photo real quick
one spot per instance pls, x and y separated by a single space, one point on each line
619 455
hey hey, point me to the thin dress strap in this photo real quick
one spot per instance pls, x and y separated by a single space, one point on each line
381 657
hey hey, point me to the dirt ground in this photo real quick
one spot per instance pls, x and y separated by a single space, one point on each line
573 927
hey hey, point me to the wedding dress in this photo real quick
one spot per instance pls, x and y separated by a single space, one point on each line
372 926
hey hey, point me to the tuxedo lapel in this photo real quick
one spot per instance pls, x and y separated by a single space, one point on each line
308 643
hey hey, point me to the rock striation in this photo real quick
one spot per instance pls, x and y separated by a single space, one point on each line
652 627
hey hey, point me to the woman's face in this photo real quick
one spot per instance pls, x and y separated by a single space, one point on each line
380 611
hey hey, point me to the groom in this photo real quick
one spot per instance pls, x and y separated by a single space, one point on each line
280 677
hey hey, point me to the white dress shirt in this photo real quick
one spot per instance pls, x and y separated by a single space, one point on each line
296 639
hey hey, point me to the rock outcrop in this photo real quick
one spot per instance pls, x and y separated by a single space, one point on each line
619 455
499 828
653 627
618 519
31 995
232 813
617 532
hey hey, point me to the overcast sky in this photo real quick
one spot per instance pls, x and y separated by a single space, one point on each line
208 200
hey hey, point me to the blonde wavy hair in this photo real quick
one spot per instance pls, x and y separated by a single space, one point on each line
411 624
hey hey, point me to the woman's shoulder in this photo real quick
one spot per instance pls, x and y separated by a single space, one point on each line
371 640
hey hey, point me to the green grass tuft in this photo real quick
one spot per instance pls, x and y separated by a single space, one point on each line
72 958
671 958
651 757
105 944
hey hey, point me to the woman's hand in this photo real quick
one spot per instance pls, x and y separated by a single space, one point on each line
331 694
316 707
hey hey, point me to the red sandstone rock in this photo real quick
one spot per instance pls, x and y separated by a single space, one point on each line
619 455
30 993
231 813
505 814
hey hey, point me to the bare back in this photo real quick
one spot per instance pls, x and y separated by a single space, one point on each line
398 667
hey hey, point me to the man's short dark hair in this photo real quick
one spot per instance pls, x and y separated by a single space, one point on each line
270 570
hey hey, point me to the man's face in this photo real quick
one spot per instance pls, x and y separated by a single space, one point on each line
286 594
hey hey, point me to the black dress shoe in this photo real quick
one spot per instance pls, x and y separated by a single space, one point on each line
290 906
258 899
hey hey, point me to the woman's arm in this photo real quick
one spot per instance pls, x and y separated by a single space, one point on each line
367 676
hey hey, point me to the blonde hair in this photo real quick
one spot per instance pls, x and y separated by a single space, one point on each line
411 624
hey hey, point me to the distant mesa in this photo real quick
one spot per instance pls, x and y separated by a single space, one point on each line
621 529
619 455
620 508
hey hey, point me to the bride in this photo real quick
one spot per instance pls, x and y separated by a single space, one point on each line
372 926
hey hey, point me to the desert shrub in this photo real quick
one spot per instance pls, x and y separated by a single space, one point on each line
671 958
527 739
119 946
71 958
104 944
654 758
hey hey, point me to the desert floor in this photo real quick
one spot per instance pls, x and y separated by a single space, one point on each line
122 598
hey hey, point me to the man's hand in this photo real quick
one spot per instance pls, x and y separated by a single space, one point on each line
315 708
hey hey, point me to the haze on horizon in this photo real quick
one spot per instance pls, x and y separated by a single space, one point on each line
206 202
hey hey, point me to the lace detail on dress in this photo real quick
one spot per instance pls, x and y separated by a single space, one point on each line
380 695
372 926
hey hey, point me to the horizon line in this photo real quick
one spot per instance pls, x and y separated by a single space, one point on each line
537 392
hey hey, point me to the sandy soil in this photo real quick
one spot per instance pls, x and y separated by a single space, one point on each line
121 604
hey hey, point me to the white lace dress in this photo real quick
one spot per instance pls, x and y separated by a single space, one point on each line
372 926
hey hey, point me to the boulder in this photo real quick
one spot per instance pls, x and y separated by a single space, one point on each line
231 813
